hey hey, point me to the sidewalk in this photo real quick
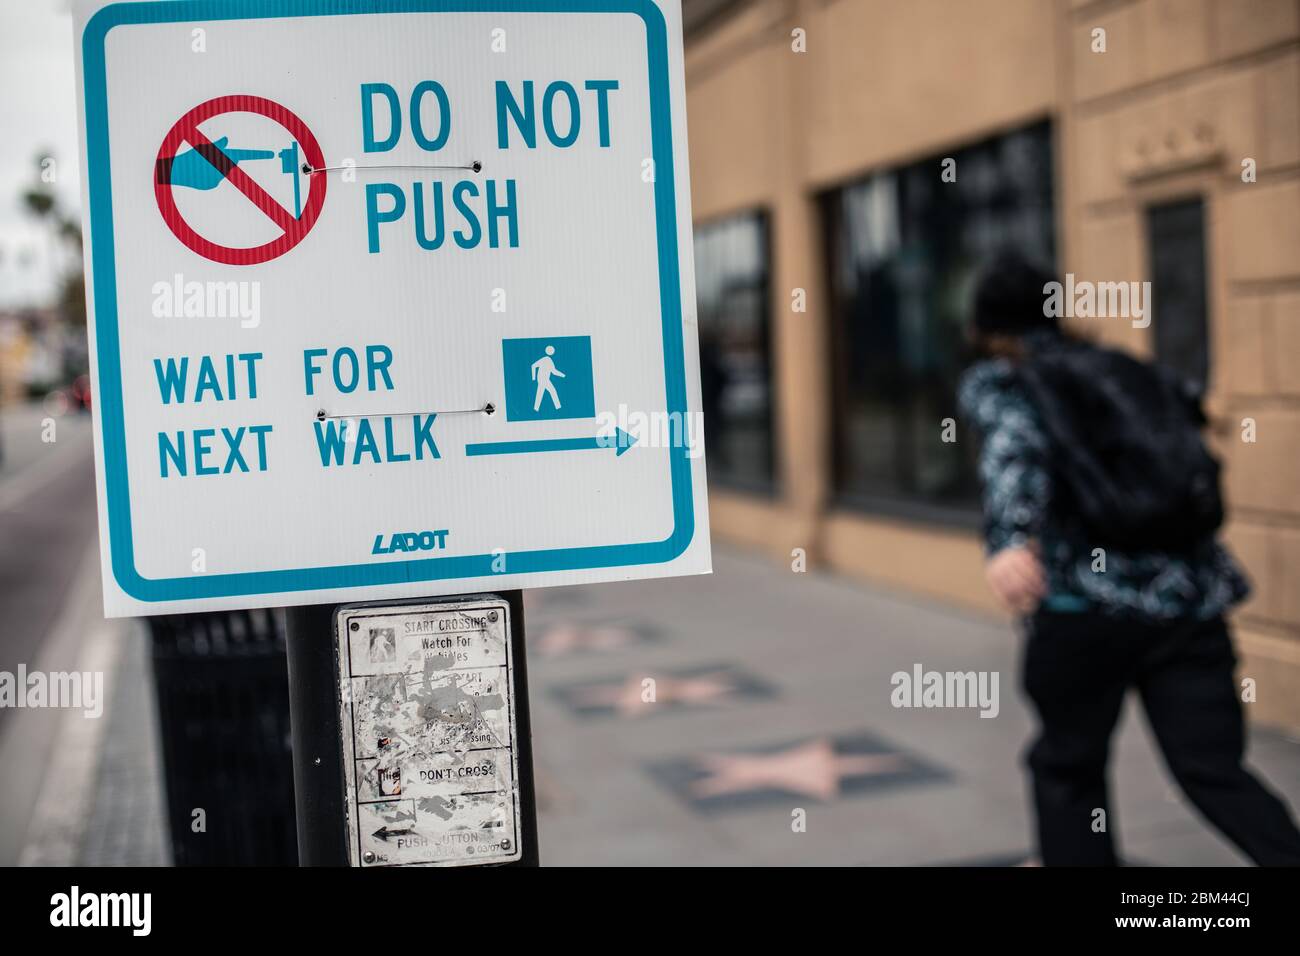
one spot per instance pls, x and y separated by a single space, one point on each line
98 799
798 666
128 820
772 695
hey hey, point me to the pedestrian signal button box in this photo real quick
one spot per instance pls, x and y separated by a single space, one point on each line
430 749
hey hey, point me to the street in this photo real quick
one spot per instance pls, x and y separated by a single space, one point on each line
47 522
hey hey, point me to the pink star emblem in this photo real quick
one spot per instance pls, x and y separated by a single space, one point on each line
565 638
627 696
811 769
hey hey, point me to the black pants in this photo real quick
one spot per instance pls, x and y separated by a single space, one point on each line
1077 669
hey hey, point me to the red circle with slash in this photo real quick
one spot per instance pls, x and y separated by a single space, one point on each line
187 130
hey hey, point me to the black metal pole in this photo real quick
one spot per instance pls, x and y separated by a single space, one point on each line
314 714
317 736
524 730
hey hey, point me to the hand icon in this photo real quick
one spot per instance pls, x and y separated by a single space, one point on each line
204 167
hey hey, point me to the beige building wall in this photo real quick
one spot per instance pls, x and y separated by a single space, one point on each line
1185 91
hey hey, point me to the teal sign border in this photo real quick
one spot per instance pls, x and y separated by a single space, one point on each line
103 265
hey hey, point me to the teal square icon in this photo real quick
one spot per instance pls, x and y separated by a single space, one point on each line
548 378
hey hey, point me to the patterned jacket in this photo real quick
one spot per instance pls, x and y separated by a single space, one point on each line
1019 506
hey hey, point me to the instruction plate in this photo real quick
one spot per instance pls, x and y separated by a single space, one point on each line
429 743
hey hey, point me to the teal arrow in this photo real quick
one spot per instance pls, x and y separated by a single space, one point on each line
620 441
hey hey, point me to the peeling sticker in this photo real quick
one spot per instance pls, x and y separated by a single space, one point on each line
429 741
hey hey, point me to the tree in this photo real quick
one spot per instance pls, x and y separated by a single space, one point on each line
42 202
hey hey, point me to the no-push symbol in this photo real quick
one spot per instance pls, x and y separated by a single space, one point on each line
188 158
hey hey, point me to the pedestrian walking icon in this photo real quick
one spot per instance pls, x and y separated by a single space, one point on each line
543 369
548 378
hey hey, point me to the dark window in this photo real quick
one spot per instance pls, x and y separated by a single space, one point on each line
731 280
904 246
1176 232
699 15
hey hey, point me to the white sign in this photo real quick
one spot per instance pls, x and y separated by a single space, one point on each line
430 752
388 299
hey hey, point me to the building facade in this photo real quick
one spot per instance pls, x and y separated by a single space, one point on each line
853 160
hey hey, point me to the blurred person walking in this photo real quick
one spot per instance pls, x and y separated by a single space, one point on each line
1101 506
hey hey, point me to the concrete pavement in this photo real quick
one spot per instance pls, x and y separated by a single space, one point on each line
717 778
47 520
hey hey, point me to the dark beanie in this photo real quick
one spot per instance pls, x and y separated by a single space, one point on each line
1009 296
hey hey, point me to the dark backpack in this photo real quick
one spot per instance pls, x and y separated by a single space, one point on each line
1126 447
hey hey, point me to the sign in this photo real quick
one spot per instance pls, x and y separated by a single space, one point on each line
429 742
388 299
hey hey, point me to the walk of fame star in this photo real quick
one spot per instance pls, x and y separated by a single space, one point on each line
821 768
567 637
632 697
